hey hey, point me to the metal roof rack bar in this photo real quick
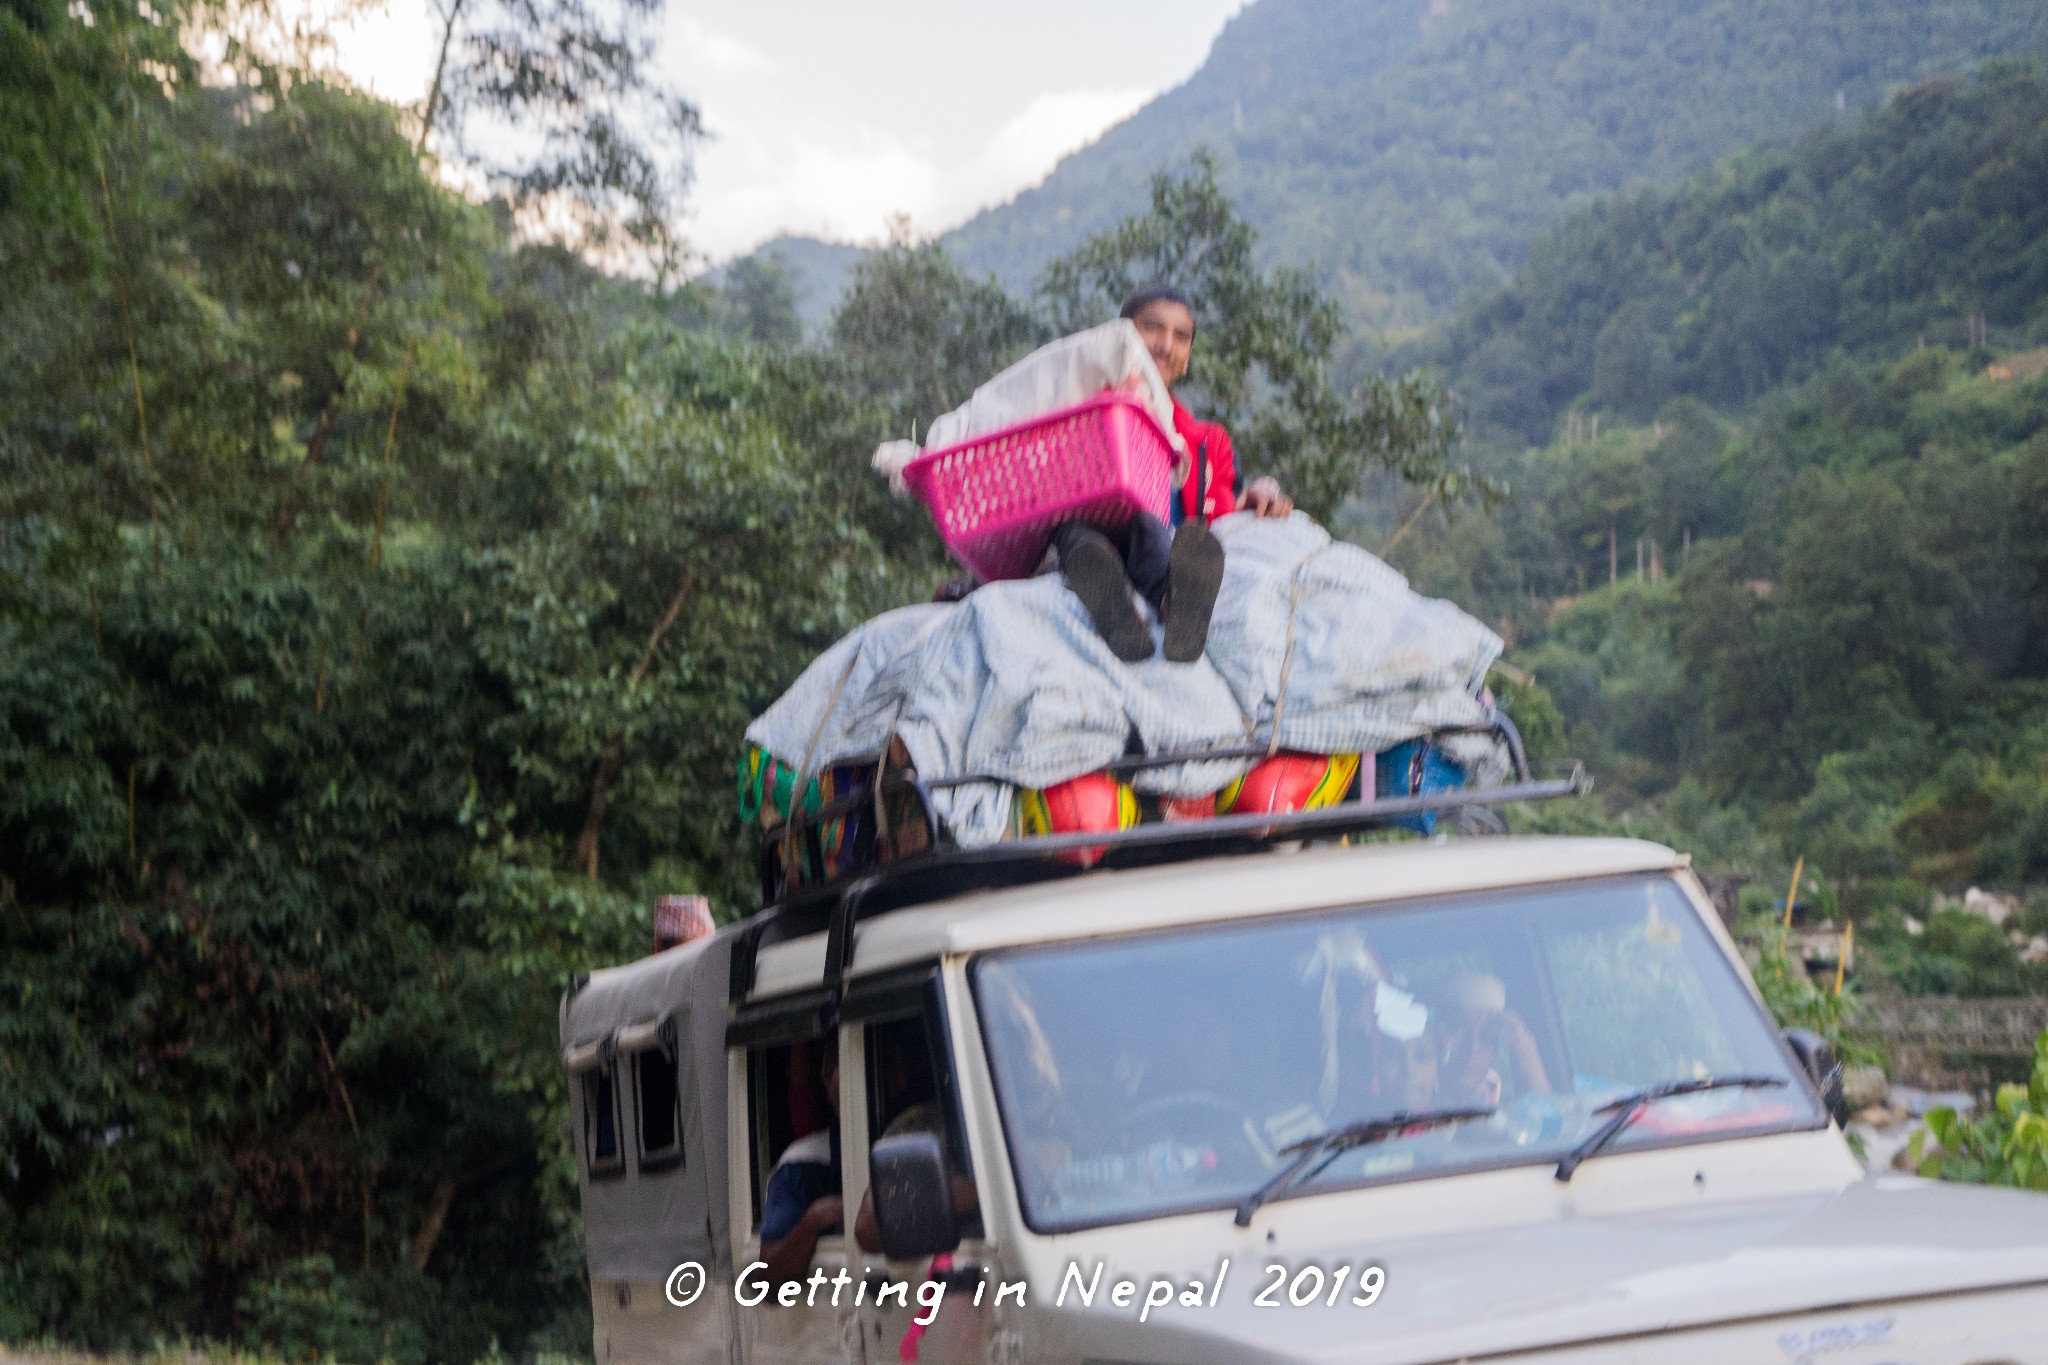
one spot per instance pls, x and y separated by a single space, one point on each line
1327 822
843 903
797 878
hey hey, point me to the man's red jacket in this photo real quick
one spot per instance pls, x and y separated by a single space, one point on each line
1208 450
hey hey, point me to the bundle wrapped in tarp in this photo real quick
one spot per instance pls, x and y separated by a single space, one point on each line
1312 639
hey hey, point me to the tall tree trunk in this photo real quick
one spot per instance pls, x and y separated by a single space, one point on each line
330 413
440 67
438 1205
316 451
614 761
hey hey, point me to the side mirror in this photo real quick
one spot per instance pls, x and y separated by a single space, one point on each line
913 1189
1823 1066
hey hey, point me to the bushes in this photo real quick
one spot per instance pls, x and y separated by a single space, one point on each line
322 764
2008 1146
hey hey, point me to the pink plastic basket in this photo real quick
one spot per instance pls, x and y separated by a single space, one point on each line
997 497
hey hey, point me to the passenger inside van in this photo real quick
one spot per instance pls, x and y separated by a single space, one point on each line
802 1202
906 1099
1488 1052
1454 1046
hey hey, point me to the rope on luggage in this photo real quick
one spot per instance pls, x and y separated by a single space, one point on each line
1287 654
803 771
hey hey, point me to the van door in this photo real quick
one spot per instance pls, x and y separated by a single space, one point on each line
911 1088
785 1161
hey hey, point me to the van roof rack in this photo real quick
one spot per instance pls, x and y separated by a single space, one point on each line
900 856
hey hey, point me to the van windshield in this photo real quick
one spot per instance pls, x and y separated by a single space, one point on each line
1167 1072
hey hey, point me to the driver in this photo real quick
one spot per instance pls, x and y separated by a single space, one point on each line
1486 1049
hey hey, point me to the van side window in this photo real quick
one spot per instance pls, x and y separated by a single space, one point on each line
904 1095
601 1120
786 1107
658 1102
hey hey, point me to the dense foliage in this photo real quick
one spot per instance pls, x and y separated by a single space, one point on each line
382 598
381 604
1812 619
2007 1146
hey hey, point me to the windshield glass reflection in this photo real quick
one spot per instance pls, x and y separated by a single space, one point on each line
1164 1072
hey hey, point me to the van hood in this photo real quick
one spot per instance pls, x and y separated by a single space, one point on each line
1583 1279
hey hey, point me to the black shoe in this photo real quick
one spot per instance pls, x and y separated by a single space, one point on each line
1194 574
1095 573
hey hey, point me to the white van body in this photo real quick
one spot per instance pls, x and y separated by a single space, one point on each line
1764 1246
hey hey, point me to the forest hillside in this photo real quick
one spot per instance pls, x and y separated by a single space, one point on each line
1926 223
1778 446
384 589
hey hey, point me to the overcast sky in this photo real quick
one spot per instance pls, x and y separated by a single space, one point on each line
826 118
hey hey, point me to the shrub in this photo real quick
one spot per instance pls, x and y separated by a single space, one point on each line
2008 1146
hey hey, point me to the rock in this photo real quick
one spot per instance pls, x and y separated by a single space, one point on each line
1977 901
1917 1102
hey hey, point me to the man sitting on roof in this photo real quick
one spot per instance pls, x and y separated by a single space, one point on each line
1177 571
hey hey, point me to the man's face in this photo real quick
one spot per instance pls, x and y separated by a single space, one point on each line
1169 333
1415 1090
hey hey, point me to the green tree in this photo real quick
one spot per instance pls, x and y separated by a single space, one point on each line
759 303
301 831
602 142
70 82
917 334
1263 364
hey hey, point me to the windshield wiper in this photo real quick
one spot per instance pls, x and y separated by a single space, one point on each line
1628 1107
1338 1141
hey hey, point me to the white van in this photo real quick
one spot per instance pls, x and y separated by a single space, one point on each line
1483 1099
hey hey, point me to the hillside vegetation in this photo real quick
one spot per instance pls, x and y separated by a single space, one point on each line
1927 222
1409 149
1790 595
383 595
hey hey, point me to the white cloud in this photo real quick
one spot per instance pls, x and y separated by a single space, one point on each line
848 184
698 46
847 188
389 50
829 118
1023 151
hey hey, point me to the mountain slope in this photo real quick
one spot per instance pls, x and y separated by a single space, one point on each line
1927 223
1808 616
1411 148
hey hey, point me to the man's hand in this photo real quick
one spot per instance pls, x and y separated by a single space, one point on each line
825 1214
1264 498
787 1258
